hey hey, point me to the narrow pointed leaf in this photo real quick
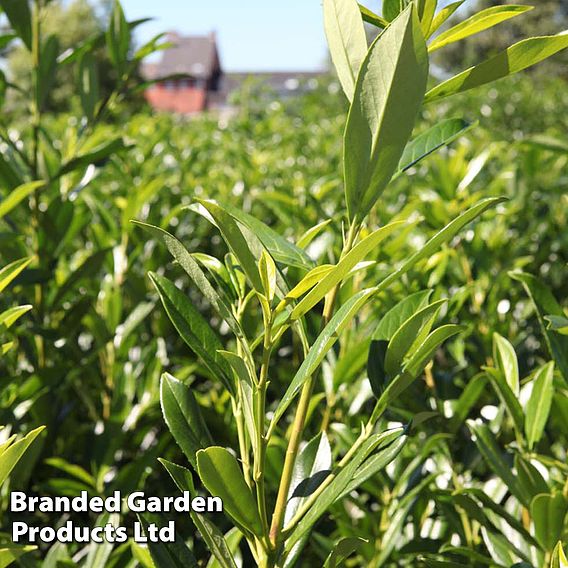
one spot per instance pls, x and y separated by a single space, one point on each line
183 417
372 18
20 18
236 241
559 559
346 39
211 534
193 329
506 361
434 138
221 475
516 58
342 269
17 195
477 23
321 346
388 94
508 398
10 271
539 404
442 16
11 455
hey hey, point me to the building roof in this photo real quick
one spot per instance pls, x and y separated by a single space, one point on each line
190 55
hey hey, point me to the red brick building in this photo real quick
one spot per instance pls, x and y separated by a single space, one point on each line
202 84
197 58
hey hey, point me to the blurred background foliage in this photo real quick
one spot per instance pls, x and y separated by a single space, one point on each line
90 354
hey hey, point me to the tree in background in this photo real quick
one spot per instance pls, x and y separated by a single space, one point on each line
73 23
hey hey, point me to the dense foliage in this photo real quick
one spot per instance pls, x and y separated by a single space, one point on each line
456 367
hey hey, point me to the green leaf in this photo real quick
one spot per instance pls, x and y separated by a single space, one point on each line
47 69
427 10
20 18
548 512
342 268
167 554
487 445
221 475
558 557
538 406
13 453
441 237
211 534
11 552
346 39
545 304
280 248
342 550
415 327
88 85
11 315
321 346
558 324
17 195
506 361
388 94
94 156
340 481
398 314
530 478
372 18
439 135
508 398
183 417
188 263
311 467
235 240
10 271
378 461
392 8
118 37
413 367
477 23
233 538
376 366
194 330
442 16
508 62
267 271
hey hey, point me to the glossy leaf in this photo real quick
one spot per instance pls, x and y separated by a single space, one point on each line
441 134
342 268
235 240
506 361
183 417
312 466
342 550
194 330
12 453
477 23
546 304
210 533
508 398
321 346
221 475
388 94
516 58
346 39
548 512
539 404
559 559
10 271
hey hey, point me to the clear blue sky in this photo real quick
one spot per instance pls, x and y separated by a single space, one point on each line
255 35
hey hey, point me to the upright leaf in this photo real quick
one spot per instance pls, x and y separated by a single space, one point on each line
538 406
118 37
442 16
194 330
516 58
88 85
388 94
558 557
183 417
20 18
346 39
477 23
506 361
548 512
220 473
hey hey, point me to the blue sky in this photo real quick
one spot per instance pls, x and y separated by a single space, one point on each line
255 35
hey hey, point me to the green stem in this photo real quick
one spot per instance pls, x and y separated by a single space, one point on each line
302 411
